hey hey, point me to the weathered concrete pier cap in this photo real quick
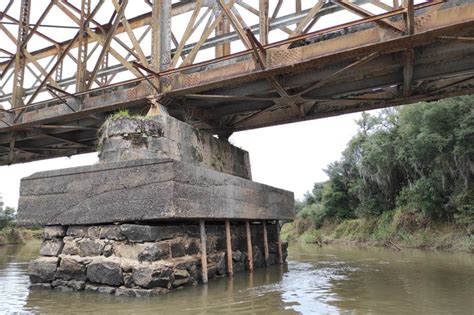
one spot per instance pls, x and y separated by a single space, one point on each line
163 136
166 207
146 190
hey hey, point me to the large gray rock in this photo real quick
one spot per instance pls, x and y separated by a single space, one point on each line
40 286
71 269
105 272
154 251
70 246
128 250
180 277
177 248
54 231
77 231
152 276
136 292
76 285
43 269
90 247
100 288
111 232
192 246
51 247
141 190
147 233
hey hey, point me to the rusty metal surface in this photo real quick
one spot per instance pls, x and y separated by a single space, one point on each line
402 55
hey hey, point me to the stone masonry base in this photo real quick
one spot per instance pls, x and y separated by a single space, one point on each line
144 260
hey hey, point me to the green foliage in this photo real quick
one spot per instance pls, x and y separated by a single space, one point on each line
7 216
416 159
11 235
315 212
125 113
121 113
287 232
311 236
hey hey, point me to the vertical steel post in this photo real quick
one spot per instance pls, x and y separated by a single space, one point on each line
263 21
223 28
280 250
83 41
249 245
409 16
59 72
161 39
228 236
103 78
202 228
298 6
20 59
265 243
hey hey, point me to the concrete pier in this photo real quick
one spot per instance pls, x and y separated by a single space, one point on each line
166 207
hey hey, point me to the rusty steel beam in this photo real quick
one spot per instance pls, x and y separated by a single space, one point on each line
177 9
83 43
20 58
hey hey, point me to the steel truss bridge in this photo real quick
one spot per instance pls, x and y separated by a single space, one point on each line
221 65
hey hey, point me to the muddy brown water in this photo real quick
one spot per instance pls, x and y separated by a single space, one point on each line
328 280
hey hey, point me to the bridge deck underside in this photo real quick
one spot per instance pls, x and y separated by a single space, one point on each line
339 71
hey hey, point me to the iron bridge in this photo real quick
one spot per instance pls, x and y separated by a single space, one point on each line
220 65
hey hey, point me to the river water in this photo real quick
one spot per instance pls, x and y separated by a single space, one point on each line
327 280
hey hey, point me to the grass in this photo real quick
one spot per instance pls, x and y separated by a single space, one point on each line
311 236
125 113
395 229
14 235
121 113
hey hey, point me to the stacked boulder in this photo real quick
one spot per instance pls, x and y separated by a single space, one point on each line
141 260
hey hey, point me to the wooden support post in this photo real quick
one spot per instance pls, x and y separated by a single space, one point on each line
280 251
265 243
230 266
249 245
202 228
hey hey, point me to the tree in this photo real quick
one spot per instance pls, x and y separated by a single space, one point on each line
7 215
418 158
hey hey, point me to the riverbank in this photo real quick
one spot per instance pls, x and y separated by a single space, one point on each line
14 236
394 230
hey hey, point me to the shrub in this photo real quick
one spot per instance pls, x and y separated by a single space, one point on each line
311 236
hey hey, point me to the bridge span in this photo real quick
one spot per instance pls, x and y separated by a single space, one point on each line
222 66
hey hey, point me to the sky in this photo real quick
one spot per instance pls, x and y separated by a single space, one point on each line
291 156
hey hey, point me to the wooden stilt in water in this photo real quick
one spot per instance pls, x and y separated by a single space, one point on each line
265 243
280 251
249 245
202 228
230 266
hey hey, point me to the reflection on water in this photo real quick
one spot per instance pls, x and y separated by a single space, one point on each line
316 280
